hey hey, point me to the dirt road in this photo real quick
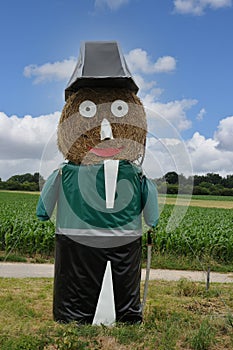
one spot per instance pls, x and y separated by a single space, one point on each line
198 203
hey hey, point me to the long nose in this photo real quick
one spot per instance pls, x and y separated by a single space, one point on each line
106 130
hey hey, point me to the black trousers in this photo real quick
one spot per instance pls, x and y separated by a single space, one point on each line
79 272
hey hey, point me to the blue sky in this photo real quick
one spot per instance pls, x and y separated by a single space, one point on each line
179 51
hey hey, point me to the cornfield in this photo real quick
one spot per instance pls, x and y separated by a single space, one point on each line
20 230
202 232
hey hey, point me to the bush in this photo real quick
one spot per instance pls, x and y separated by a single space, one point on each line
172 189
227 192
201 190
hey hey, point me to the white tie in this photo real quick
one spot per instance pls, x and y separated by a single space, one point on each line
110 178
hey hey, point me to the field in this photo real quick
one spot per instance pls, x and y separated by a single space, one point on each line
20 230
178 315
204 234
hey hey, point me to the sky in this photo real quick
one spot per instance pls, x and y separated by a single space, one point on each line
178 51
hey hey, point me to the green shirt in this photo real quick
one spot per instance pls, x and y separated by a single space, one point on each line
79 192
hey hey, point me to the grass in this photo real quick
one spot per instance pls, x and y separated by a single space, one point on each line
178 315
34 258
189 262
12 257
159 261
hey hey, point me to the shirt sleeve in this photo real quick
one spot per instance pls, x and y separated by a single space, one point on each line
150 202
48 197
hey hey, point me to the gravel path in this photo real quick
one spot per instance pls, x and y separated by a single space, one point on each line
22 270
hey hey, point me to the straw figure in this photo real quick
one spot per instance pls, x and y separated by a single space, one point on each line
100 192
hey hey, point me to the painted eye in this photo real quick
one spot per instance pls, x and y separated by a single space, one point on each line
87 109
119 108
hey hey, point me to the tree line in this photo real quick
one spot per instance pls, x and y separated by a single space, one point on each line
209 184
171 183
24 182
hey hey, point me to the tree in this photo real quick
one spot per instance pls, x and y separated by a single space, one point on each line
24 182
171 177
198 179
213 178
13 185
22 178
201 190
228 181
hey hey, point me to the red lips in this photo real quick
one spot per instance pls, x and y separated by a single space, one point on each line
106 152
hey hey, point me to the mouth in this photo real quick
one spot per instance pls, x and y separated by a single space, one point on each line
106 152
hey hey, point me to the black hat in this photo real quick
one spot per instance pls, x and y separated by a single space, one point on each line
100 64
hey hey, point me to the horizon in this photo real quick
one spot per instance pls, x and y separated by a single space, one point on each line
186 177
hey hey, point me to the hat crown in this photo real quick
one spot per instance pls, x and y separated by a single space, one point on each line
100 64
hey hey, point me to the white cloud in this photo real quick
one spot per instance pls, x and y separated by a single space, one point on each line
174 111
198 7
224 134
142 84
22 142
112 4
167 154
216 4
29 145
147 85
207 157
198 155
167 151
164 64
11 167
61 70
201 114
213 154
139 61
